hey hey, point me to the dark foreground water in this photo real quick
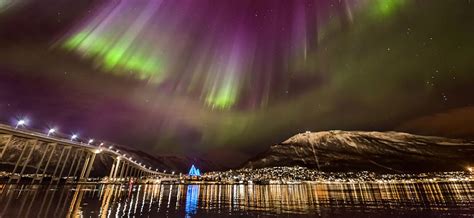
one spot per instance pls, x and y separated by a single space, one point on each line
327 199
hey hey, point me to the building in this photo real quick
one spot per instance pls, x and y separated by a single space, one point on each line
194 171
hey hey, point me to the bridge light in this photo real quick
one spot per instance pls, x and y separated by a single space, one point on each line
90 141
101 144
51 131
74 137
97 151
110 147
21 122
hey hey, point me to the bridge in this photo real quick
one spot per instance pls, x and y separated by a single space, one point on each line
29 156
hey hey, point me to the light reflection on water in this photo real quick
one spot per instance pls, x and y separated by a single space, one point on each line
327 199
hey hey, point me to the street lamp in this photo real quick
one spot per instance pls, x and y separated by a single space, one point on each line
90 141
51 131
74 137
20 123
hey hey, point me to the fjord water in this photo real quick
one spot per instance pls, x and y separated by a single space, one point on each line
424 199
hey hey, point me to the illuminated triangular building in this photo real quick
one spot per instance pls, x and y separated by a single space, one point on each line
194 171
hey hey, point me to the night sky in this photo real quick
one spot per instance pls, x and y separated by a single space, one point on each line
225 79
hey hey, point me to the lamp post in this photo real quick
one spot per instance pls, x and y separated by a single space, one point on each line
74 137
20 123
51 131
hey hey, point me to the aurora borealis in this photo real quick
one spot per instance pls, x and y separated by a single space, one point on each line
225 79
222 49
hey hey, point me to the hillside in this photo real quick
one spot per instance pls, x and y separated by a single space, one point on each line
374 151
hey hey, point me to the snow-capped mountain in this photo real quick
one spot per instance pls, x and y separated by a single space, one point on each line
374 151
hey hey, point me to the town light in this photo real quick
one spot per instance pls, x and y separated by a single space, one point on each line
90 141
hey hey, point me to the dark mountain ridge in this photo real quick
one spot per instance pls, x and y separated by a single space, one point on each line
374 151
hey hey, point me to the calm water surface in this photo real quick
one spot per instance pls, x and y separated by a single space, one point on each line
327 199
